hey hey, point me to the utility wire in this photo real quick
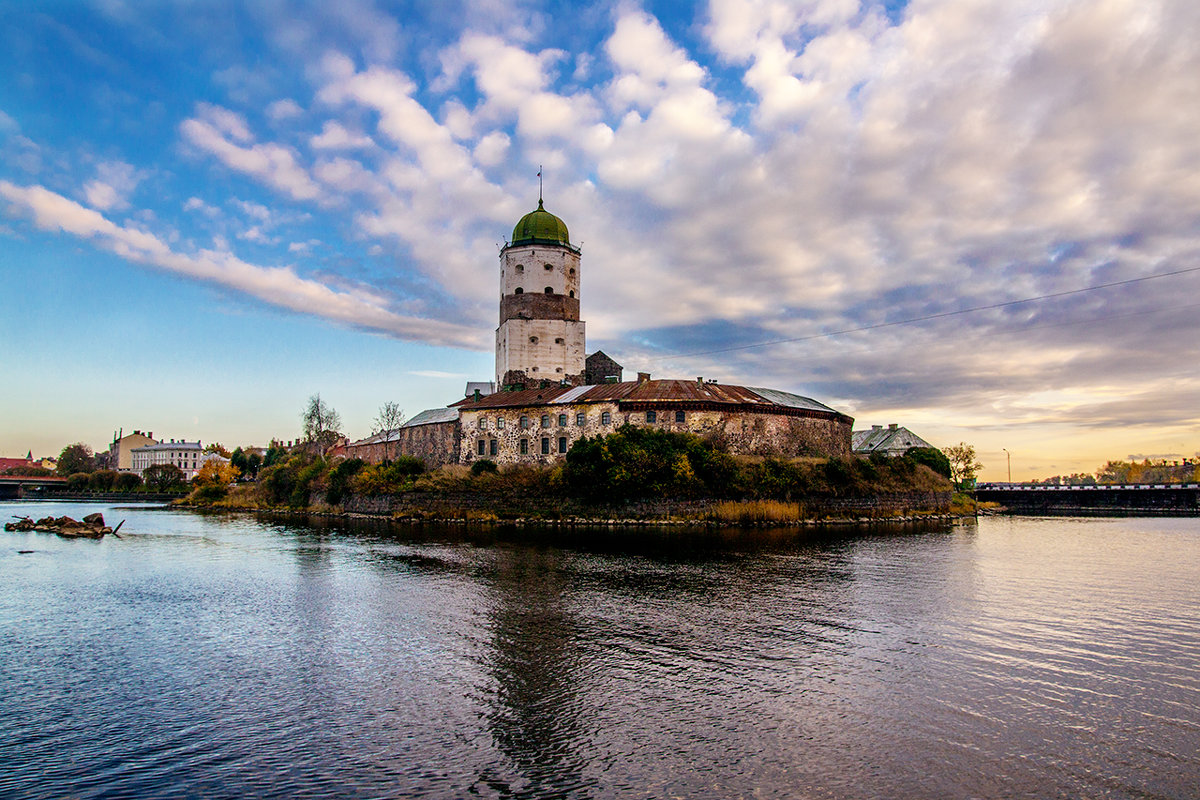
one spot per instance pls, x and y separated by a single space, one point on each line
928 317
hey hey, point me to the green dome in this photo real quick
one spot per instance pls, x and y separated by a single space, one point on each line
541 227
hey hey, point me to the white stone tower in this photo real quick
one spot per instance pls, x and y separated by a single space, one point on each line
540 335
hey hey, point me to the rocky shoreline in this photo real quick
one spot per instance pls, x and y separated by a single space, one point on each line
90 527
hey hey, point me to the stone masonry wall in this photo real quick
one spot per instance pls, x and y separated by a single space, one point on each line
742 432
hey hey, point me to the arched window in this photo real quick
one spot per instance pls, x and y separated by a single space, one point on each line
545 420
680 417
518 290
572 293
605 418
572 270
559 340
549 267
651 416
520 267
549 290
533 340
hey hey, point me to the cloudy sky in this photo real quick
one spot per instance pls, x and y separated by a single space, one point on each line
976 218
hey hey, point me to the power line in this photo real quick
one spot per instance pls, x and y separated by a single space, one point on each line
928 317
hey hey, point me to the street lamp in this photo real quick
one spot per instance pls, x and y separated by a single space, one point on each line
1005 449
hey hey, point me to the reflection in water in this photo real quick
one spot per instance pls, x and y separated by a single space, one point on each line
231 656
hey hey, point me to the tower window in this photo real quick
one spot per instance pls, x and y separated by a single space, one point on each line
559 340
549 267
572 293
518 290
572 270
533 340
520 267
549 290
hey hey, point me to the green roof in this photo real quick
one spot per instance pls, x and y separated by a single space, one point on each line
540 227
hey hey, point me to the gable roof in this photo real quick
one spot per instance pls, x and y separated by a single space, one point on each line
892 439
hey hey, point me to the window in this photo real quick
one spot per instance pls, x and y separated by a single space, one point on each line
651 416
520 267
549 290
518 290
680 416
482 447
545 420
560 340
524 447
493 447
524 422
562 444
482 423
562 420
605 418
549 267
533 340
572 270
545 446
580 419
499 423
558 369
572 293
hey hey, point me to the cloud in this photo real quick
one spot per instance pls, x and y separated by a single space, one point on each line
114 181
334 136
277 286
286 108
226 135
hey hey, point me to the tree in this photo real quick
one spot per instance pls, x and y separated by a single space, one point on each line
390 418
931 457
127 482
162 477
321 425
215 472
963 466
75 458
218 448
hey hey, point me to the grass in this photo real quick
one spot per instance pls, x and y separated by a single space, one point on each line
756 512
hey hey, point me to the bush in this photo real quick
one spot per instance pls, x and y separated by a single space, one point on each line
102 480
640 462
339 480
483 467
388 478
127 482
79 481
931 457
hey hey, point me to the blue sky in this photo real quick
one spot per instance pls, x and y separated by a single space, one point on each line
210 211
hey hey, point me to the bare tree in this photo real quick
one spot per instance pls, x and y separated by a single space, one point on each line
390 418
322 424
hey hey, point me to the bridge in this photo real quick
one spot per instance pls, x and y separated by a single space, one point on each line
15 487
1152 498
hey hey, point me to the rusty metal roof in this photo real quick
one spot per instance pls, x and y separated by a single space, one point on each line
790 400
521 399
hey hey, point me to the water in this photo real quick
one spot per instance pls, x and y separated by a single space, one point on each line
230 656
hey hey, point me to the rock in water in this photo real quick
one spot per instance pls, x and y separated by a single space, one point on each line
96 519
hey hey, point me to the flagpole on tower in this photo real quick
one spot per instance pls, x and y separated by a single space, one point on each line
539 184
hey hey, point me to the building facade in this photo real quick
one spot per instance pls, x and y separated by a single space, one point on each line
120 452
540 336
188 456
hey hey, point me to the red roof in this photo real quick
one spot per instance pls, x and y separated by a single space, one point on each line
8 463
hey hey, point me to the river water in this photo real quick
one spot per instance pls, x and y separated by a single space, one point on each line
237 656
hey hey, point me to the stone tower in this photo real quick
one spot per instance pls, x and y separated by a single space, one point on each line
540 335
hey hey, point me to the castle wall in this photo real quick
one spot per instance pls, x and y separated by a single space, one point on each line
742 431
437 444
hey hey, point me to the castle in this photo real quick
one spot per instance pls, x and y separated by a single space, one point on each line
547 393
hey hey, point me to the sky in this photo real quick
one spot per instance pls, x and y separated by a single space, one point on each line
979 219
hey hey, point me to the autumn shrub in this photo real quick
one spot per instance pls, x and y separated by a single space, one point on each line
340 478
636 462
380 479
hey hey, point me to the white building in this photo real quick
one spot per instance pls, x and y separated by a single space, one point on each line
540 337
188 456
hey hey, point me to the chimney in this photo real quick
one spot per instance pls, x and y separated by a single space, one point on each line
643 377
892 427
876 427
699 380
476 395
150 434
